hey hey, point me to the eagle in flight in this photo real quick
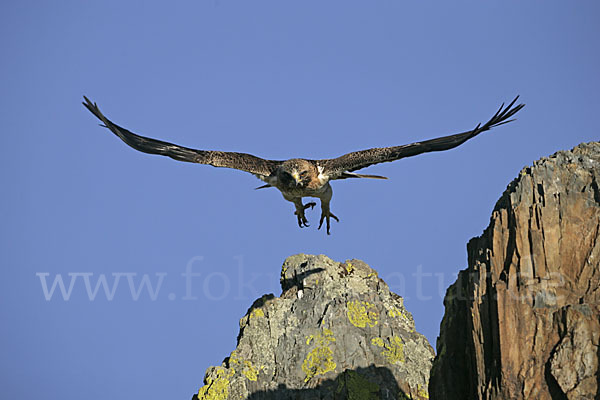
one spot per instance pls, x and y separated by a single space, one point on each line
298 177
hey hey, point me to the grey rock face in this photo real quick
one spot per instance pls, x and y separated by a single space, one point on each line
336 332
523 320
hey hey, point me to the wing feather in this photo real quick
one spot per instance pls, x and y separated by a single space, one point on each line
336 167
241 161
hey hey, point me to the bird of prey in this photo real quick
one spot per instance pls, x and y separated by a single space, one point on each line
298 177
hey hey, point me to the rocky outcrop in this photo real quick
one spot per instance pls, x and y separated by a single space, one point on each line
522 321
336 332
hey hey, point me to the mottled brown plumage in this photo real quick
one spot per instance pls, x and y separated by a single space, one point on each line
297 178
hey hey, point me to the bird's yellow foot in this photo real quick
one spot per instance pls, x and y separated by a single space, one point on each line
302 221
326 214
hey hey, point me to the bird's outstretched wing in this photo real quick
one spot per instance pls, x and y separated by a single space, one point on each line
336 167
241 161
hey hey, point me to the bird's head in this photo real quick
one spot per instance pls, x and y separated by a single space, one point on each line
296 173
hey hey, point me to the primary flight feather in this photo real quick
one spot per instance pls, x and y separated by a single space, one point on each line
297 178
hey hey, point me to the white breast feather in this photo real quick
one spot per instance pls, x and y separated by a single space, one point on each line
323 179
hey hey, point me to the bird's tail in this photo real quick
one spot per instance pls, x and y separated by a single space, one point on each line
263 187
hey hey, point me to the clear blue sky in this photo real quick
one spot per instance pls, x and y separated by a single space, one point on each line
278 79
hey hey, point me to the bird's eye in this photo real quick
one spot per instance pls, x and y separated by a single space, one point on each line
303 173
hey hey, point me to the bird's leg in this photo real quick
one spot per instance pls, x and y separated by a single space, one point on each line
326 214
302 221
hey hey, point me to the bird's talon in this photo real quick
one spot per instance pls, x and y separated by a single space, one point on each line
302 221
326 216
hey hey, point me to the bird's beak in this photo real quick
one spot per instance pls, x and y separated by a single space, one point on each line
296 178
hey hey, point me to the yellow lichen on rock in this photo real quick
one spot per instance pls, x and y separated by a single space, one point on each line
349 267
328 335
250 371
321 339
394 351
394 312
319 360
422 392
218 388
257 312
362 313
